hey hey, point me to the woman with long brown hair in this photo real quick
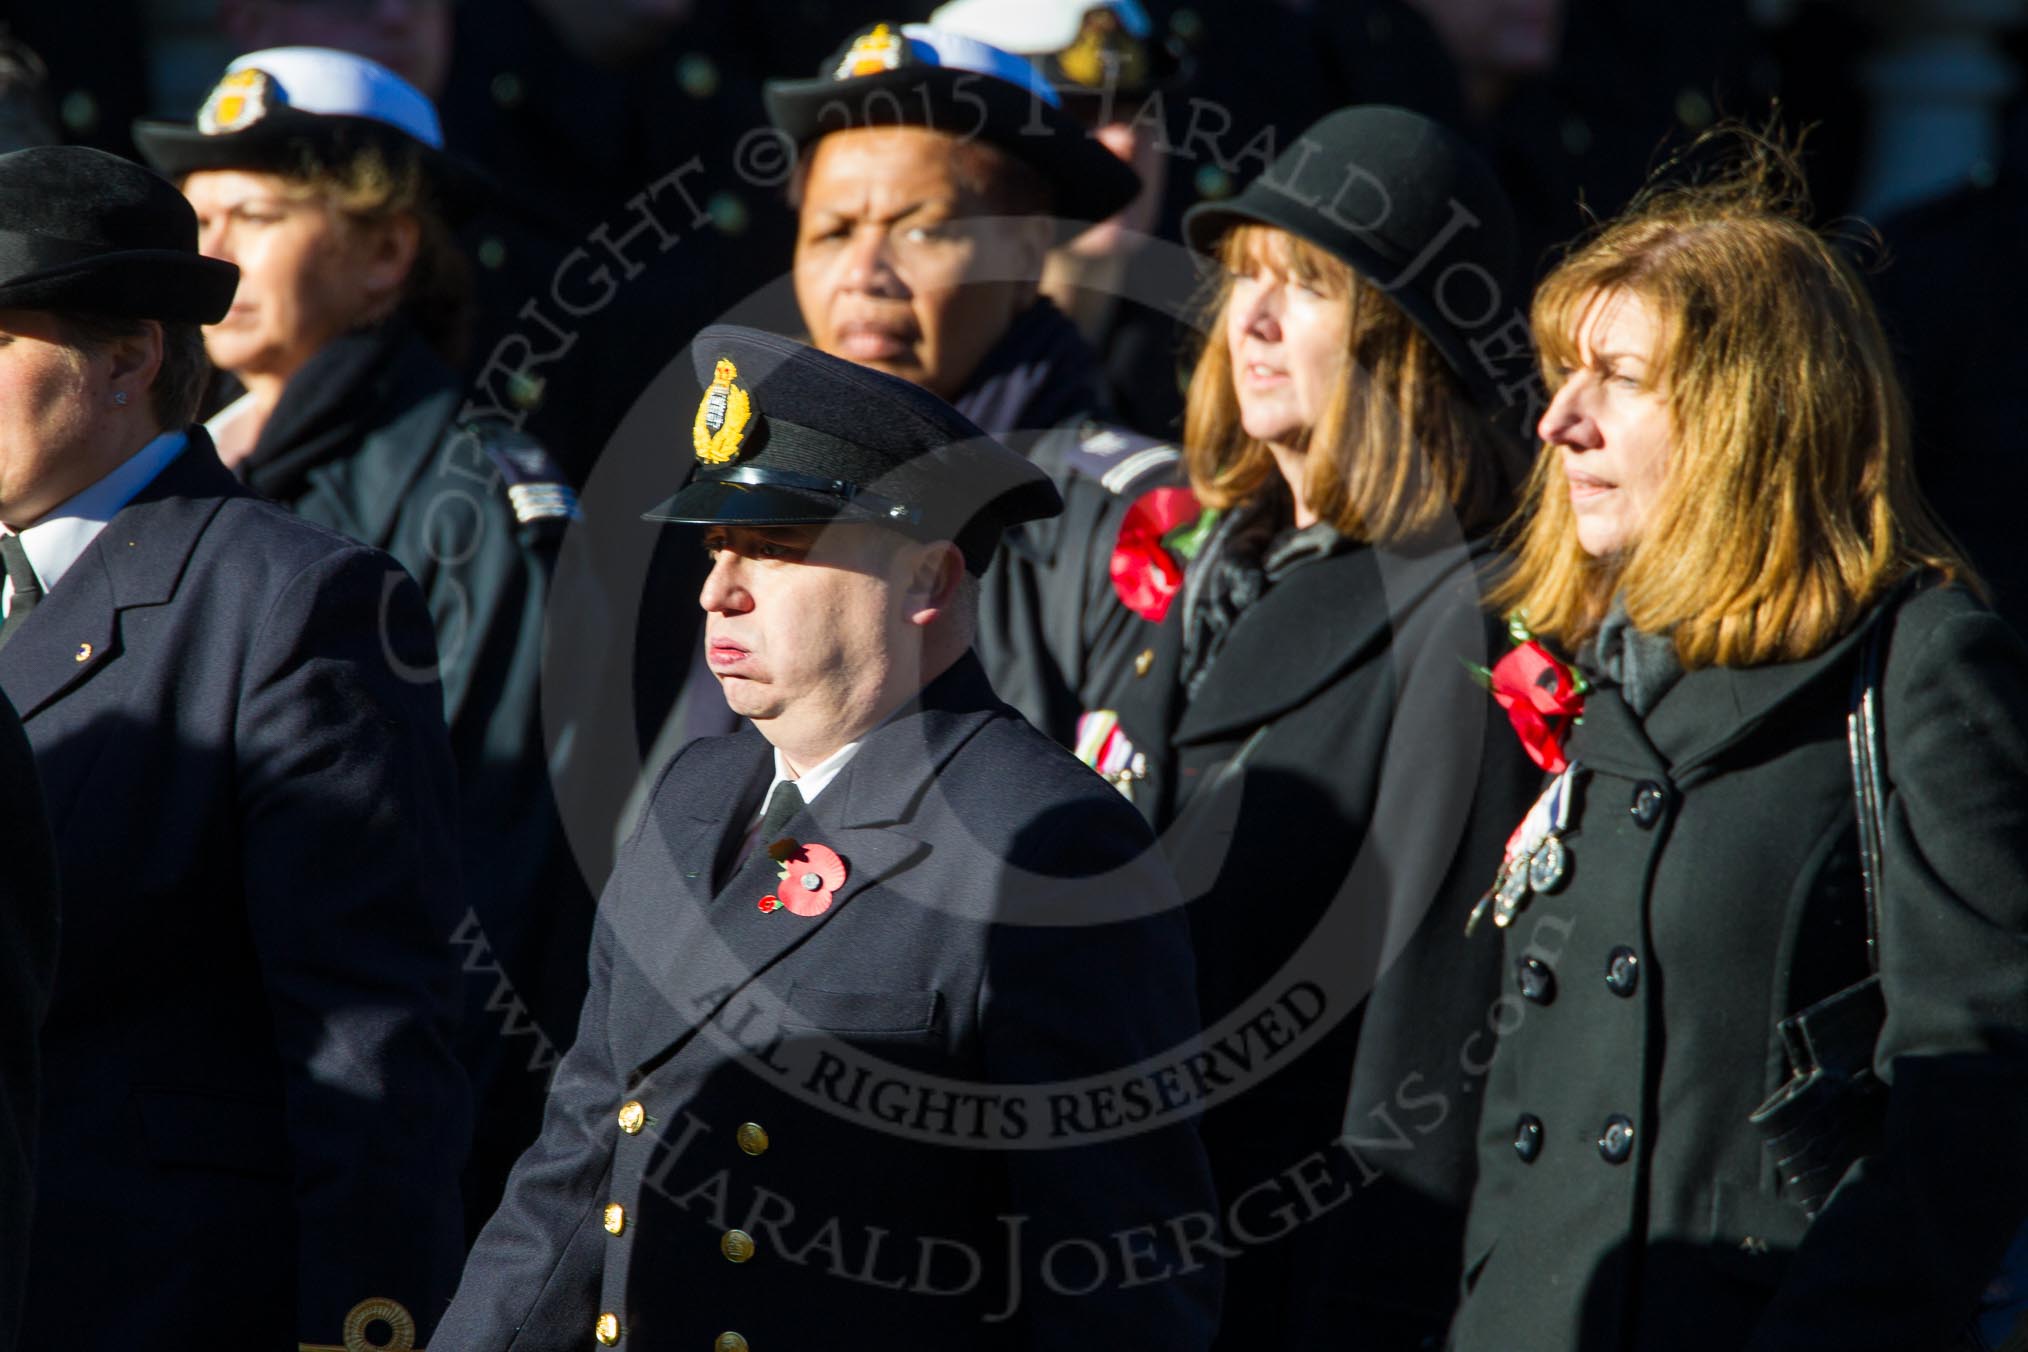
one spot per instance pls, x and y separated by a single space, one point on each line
1762 1070
1303 727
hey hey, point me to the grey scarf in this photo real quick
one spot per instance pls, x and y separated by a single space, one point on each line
1643 666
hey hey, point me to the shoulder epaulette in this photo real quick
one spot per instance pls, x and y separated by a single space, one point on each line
536 486
1119 459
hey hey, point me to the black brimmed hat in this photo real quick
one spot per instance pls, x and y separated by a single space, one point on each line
81 230
1096 54
289 109
1410 206
788 436
918 76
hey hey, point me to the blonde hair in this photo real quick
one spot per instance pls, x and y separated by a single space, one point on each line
1398 449
1790 503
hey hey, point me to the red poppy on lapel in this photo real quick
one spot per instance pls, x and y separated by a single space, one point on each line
1542 697
1146 570
811 874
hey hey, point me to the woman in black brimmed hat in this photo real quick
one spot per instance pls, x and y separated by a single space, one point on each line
1302 724
322 175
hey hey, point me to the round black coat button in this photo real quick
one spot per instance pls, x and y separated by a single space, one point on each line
1537 981
1528 1137
1649 800
1623 971
1616 1142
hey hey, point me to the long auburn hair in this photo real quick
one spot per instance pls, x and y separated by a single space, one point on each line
1398 449
1790 501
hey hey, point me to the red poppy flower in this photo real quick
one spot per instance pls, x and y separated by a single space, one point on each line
1146 576
810 875
768 904
1541 698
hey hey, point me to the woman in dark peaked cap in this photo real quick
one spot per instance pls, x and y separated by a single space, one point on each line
1302 725
1723 530
321 174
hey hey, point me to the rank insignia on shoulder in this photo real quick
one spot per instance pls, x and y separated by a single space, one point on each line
236 103
722 416
878 49
536 487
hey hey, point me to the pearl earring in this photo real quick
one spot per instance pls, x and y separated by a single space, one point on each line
120 398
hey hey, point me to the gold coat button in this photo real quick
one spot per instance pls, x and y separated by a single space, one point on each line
84 652
752 1138
607 1330
1144 661
729 1342
736 1245
616 1218
632 1115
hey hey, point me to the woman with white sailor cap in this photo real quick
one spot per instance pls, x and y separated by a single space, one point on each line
322 175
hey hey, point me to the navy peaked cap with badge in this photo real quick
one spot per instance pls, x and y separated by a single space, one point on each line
918 76
786 435
1410 205
288 110
84 230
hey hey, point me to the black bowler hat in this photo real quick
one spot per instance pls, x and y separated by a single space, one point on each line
1407 203
288 109
84 230
786 435
917 76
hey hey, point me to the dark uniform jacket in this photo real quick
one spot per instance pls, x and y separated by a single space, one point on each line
1333 798
1712 891
367 441
859 1108
252 1122
27 969
1050 632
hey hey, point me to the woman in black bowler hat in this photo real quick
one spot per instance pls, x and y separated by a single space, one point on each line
1302 724
321 174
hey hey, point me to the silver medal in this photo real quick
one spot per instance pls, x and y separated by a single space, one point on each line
1549 866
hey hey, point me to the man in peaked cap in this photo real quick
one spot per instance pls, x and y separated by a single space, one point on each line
937 172
252 1124
859 967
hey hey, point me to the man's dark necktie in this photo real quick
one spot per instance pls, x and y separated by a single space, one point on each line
27 587
785 802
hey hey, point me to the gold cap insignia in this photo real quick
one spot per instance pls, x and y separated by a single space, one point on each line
238 101
871 53
400 1324
1104 52
722 416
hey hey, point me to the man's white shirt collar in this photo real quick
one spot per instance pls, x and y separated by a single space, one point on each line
60 539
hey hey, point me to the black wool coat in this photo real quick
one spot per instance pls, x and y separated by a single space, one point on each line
1713 890
1333 798
871 1125
252 1122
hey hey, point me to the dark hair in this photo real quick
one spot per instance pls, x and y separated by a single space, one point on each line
1009 186
179 384
371 186
27 117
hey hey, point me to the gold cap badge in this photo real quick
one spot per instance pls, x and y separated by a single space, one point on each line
1104 52
871 53
722 416
239 100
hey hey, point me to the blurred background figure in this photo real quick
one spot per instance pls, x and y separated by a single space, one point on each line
320 174
1107 61
412 38
26 116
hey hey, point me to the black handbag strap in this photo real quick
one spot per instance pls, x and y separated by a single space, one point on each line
1869 777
